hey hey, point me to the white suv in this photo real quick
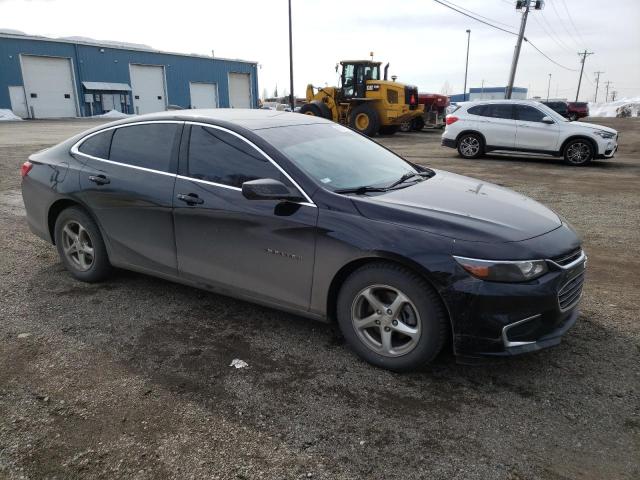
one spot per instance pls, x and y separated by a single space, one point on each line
475 128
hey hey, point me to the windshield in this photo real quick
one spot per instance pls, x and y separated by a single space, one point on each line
337 157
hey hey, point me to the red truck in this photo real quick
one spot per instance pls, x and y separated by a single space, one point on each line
577 110
435 111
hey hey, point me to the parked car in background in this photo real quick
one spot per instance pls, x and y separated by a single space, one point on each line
525 126
301 214
576 110
558 106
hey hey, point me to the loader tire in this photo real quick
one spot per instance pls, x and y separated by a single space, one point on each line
365 120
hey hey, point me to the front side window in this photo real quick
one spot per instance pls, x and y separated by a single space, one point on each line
499 110
220 157
529 114
337 157
98 145
149 146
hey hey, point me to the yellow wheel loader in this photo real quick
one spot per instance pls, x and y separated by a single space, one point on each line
363 100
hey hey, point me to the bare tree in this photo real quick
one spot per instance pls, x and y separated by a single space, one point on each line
446 88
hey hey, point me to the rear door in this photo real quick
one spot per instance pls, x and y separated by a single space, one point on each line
127 182
532 133
496 123
259 248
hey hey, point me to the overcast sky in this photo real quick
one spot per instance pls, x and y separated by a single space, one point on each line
424 41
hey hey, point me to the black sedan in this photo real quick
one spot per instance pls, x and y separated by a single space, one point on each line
304 215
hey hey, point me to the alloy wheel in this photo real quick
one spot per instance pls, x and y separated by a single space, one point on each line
578 152
470 146
386 320
77 246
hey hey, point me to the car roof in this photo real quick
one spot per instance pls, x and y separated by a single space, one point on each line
251 119
486 102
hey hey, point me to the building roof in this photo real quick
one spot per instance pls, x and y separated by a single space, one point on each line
111 44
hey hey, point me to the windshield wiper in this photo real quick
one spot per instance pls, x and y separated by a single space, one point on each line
361 190
409 175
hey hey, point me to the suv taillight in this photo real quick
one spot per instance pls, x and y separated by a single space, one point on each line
26 168
451 119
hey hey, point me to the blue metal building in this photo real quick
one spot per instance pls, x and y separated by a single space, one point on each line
489 93
45 78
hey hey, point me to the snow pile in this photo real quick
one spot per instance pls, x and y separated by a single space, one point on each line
7 115
625 107
112 114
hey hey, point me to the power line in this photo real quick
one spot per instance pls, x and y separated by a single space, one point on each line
554 33
563 24
478 15
549 58
564 4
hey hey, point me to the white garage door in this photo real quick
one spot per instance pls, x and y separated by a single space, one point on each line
147 85
48 84
239 90
203 95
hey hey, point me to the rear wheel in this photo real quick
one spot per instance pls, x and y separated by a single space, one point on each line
573 117
578 152
417 124
80 245
470 145
391 317
364 119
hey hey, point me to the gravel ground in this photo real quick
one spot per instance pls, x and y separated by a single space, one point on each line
131 378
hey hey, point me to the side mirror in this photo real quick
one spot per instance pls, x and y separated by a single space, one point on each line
269 189
548 120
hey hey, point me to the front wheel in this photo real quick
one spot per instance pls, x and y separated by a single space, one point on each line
80 245
470 145
365 120
578 152
391 317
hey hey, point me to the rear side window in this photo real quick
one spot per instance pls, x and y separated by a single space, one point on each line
477 110
97 145
499 110
529 114
220 157
149 146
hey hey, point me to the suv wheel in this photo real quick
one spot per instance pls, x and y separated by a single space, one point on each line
391 317
578 152
80 245
470 145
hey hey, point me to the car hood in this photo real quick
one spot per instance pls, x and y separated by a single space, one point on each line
593 126
461 208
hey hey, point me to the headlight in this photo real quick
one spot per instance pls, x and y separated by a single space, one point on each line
604 134
503 271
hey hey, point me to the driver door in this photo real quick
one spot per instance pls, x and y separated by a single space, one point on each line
263 249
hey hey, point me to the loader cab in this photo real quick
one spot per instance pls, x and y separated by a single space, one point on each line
354 77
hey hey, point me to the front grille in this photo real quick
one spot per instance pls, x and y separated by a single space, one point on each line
570 293
567 258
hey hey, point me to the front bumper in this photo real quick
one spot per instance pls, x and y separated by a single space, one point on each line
505 319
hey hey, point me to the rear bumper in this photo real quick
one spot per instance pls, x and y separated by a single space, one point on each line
448 142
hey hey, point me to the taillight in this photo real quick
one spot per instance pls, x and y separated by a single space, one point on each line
26 168
412 100
451 119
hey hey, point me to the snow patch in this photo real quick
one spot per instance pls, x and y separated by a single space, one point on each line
113 114
7 115
625 107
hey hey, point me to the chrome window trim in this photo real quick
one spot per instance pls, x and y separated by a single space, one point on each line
75 151
258 149
505 340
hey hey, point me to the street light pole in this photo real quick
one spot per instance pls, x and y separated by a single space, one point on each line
291 97
466 67
548 87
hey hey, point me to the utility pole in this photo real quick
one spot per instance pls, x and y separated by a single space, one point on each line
597 74
482 90
606 96
291 97
466 67
614 93
520 4
584 57
548 87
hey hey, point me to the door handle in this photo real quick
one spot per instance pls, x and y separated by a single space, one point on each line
99 179
190 198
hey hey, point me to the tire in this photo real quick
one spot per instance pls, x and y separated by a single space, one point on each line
417 124
365 120
76 235
470 145
578 152
573 117
422 315
405 127
389 129
317 109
